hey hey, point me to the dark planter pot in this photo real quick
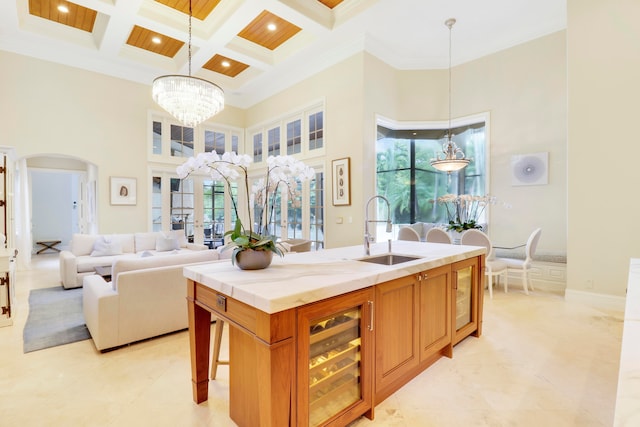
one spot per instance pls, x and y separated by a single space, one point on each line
250 259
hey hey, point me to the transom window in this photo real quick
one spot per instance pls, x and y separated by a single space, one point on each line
257 147
214 141
273 141
294 137
157 137
181 141
302 133
316 130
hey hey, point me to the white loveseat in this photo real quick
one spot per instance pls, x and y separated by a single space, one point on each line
88 251
146 298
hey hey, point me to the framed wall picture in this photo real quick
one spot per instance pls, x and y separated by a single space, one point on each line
530 169
341 182
123 191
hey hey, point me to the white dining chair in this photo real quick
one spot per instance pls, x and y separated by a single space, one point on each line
438 235
524 266
493 267
408 233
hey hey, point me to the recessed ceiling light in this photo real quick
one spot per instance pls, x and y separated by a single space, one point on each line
226 64
62 8
271 27
156 39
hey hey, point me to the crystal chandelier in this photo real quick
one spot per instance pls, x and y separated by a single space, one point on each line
454 158
191 100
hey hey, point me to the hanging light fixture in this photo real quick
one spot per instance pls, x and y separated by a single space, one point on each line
189 99
454 158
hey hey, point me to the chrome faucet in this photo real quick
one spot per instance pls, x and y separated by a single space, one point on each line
367 235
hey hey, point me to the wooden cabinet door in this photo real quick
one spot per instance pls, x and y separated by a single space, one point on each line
435 312
466 292
396 330
335 369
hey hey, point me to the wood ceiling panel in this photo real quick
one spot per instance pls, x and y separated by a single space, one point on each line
143 38
234 68
257 31
200 8
330 3
78 16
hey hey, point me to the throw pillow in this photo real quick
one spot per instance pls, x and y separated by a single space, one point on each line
164 244
146 241
145 254
180 236
105 246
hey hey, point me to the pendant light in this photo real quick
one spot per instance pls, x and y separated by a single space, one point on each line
454 158
189 99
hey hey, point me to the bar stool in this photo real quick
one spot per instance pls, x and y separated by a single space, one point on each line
217 340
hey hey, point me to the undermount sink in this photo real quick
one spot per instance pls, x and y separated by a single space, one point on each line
389 259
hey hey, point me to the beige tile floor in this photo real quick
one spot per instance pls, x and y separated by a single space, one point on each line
541 362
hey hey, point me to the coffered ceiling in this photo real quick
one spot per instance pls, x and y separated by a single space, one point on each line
255 48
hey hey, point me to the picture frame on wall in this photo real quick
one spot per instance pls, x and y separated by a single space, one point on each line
123 191
341 181
530 169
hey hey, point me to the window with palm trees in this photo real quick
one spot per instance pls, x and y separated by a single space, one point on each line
406 178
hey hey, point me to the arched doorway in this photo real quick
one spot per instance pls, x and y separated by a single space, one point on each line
56 197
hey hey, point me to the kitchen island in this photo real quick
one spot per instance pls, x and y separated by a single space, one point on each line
319 338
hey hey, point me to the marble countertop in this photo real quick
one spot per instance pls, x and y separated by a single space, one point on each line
302 278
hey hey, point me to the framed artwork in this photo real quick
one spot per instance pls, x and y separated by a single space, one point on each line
123 191
341 182
530 169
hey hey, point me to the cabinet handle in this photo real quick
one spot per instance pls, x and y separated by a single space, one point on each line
371 317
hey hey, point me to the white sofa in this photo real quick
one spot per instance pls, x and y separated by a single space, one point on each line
146 298
88 251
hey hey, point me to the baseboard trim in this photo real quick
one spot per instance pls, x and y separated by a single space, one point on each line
545 276
609 302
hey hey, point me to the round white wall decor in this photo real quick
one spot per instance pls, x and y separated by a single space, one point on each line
530 169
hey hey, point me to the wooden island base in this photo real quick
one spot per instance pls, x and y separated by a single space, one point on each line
331 361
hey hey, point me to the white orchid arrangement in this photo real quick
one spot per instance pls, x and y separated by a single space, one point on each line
464 210
282 171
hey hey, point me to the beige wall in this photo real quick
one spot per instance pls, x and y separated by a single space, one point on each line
525 91
341 87
48 108
523 88
603 69
96 118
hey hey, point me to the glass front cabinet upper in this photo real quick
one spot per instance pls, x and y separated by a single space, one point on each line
334 363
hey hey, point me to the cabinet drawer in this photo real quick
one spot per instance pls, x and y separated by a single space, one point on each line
227 307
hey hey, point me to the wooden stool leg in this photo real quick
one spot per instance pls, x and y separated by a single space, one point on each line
215 357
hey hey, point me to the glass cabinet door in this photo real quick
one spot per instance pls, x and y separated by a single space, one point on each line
334 368
466 303
463 297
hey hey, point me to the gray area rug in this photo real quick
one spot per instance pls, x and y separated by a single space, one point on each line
55 318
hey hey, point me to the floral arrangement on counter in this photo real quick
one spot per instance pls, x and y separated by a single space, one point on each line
282 172
464 210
